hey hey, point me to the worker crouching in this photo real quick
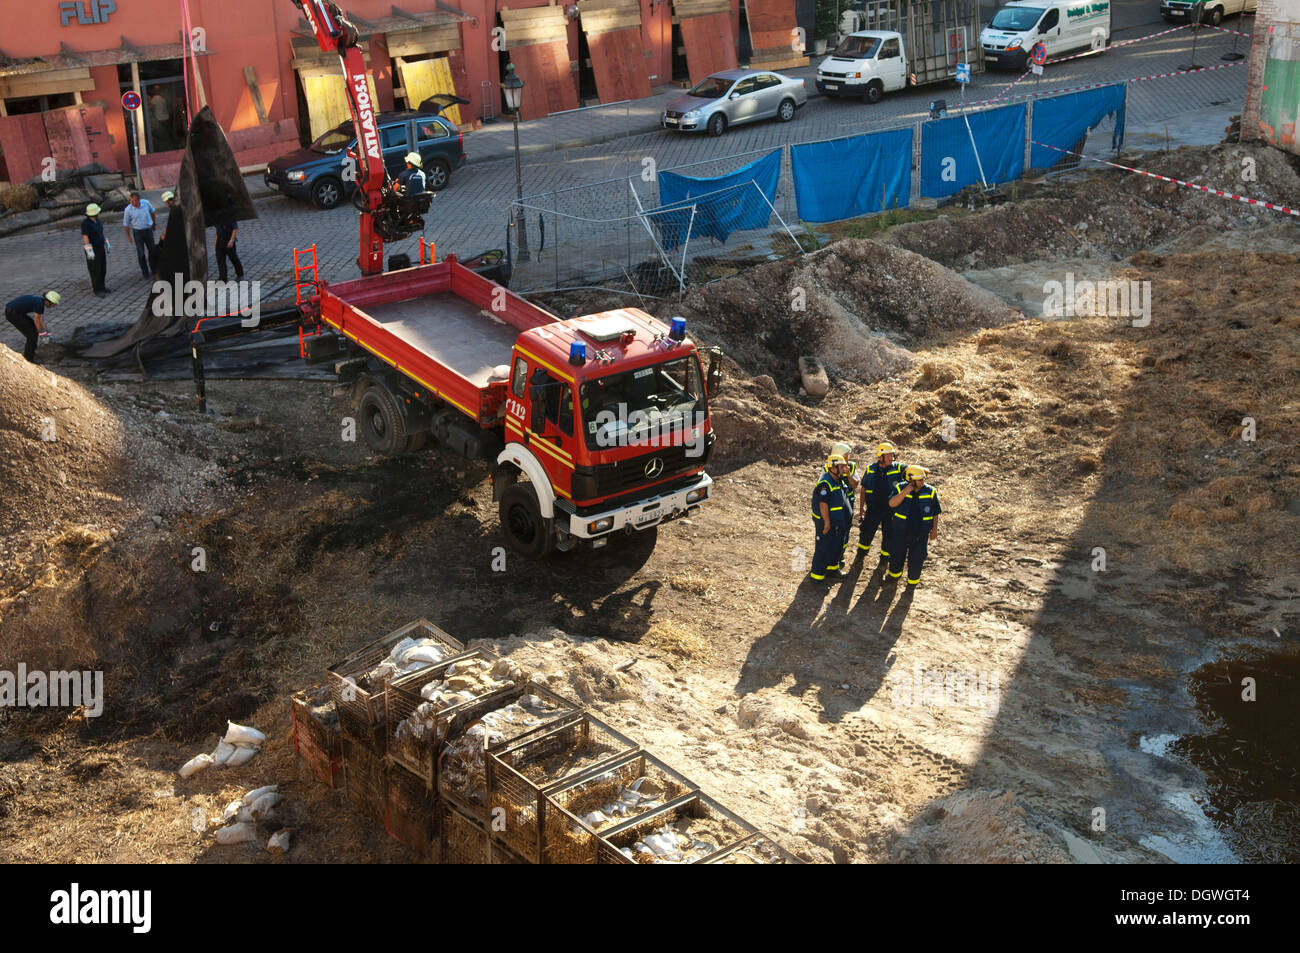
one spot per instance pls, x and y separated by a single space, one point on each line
915 523
832 517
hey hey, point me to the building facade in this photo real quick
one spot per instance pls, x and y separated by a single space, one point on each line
65 65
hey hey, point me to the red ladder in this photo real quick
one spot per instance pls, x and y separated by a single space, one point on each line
299 284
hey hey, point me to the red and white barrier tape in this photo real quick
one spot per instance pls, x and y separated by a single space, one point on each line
1115 46
1164 178
1224 29
1044 94
1005 90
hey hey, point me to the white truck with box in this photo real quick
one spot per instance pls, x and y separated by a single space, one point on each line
890 46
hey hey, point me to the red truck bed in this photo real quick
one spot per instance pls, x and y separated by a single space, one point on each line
436 324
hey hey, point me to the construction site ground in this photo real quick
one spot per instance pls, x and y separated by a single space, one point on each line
1026 704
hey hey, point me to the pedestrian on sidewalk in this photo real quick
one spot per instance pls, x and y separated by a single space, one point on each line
96 247
172 205
27 314
227 233
138 221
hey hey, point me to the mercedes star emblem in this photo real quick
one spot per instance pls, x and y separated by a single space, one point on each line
654 468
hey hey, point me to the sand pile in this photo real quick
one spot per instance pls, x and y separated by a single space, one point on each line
858 305
977 827
59 448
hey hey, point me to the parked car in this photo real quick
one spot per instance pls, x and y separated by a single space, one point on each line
733 97
317 173
1184 11
1062 26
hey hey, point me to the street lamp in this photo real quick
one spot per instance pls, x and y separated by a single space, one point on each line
513 87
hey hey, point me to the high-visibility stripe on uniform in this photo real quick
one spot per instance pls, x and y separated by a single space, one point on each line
913 582
895 575
815 576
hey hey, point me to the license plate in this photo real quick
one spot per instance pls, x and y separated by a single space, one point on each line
831 85
649 517
274 185
671 122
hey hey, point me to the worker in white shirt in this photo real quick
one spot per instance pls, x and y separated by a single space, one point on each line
139 220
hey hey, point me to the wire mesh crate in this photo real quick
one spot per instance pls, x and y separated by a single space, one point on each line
411 812
755 849
462 763
415 732
698 826
461 840
364 781
359 696
316 735
520 773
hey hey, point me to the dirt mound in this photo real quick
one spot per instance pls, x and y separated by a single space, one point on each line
1115 215
977 827
59 447
858 305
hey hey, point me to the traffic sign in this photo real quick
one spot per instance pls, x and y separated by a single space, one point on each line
131 99
1039 53
963 72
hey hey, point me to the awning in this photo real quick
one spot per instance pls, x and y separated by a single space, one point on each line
68 58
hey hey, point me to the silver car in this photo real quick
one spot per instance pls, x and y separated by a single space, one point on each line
733 97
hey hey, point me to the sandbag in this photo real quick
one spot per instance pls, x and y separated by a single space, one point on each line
243 735
237 834
195 765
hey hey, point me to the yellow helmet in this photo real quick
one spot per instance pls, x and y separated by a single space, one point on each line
92 210
916 473
53 297
885 448
842 449
836 459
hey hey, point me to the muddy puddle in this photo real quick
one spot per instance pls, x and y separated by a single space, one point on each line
1231 784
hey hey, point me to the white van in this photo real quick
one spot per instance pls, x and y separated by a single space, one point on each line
1062 27
1184 11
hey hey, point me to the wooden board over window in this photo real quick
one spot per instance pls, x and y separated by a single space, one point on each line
434 39
424 78
710 44
310 60
75 136
535 25
771 34
700 8
605 16
50 82
619 65
327 101
548 78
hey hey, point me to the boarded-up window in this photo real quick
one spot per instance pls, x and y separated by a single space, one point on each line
425 78
327 101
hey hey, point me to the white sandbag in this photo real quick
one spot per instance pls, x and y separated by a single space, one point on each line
279 842
243 735
237 834
195 765
424 654
264 806
245 815
254 794
232 810
242 756
223 753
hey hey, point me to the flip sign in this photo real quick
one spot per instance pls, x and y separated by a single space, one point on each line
963 72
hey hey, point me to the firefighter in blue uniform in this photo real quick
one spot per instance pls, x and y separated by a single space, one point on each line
832 513
915 523
878 482
850 482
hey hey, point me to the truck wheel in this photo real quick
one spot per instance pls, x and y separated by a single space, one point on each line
437 175
785 112
717 124
326 192
875 89
526 530
1216 16
381 421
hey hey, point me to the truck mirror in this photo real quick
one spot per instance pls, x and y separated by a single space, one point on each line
715 371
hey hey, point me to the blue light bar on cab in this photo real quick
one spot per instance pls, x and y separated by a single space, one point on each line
577 353
677 330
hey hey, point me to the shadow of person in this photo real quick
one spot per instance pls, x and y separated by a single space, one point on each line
771 656
892 626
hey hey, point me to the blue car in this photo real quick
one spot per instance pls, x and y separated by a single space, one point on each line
320 173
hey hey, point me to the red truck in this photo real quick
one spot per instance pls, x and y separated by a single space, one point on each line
593 426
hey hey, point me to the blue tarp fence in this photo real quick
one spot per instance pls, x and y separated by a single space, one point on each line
948 162
723 203
858 175
1063 120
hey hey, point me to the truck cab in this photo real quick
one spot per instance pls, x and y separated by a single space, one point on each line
606 431
1062 27
865 64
